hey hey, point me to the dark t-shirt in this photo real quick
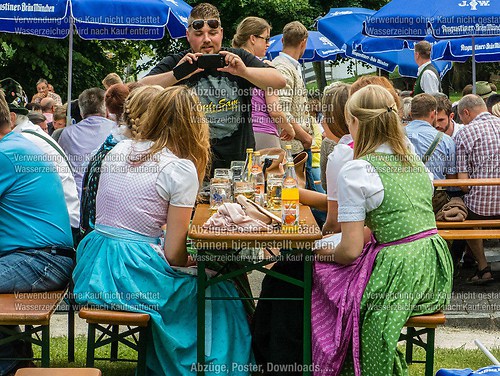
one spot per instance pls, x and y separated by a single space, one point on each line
226 100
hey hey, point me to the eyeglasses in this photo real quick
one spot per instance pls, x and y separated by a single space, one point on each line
266 39
198 24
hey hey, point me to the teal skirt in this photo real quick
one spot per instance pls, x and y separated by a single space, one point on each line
122 270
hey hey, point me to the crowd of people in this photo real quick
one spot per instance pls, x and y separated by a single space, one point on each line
120 184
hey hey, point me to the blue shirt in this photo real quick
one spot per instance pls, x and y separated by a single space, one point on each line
33 212
79 141
443 161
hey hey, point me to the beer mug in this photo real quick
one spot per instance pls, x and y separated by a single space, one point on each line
244 188
274 186
220 193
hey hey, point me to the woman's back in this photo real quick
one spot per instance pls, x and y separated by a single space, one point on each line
136 196
407 199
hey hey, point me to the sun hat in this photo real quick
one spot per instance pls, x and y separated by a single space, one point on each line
483 89
14 95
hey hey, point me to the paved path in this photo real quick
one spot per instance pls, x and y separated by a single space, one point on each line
474 306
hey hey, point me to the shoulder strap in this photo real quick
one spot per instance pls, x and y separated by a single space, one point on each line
51 143
433 146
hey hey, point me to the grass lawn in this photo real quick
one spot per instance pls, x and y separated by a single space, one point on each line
444 358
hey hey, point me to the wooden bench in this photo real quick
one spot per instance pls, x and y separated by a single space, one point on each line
469 223
58 372
108 323
33 310
426 324
468 229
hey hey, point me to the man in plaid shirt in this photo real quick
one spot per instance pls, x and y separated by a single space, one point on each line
478 156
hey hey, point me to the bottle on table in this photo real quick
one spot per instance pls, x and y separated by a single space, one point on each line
242 184
248 165
290 200
257 178
288 150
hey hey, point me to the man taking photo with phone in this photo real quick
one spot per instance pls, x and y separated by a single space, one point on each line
225 93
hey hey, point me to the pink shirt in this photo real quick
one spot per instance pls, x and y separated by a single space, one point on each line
261 121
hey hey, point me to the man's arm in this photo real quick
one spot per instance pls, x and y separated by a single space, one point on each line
285 96
261 77
300 134
462 142
166 79
264 78
163 73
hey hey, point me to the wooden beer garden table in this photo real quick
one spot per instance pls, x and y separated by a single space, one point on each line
228 244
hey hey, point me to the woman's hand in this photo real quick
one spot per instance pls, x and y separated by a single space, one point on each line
326 253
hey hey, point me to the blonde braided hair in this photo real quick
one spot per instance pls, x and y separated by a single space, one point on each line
136 106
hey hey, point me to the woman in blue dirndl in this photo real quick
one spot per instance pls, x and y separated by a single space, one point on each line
144 184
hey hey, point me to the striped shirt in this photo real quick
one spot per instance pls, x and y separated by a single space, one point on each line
478 154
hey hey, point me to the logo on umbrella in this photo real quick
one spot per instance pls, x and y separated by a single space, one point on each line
473 4
326 41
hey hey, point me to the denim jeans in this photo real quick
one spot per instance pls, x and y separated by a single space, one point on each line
309 174
316 172
29 271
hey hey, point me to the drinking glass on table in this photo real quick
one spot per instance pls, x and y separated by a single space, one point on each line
237 168
220 192
274 186
223 174
244 188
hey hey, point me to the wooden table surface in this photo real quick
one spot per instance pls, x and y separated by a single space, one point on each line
304 238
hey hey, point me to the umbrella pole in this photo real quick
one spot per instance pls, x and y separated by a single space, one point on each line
486 352
473 66
70 69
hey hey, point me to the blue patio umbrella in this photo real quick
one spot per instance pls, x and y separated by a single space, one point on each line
95 19
442 19
390 59
343 26
318 48
487 49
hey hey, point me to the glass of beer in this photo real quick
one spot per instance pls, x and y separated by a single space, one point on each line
244 188
274 185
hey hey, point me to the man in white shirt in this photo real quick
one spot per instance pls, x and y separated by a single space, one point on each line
428 80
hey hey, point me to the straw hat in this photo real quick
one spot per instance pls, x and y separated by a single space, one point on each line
483 89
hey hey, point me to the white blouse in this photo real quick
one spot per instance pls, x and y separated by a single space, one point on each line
177 183
360 189
341 154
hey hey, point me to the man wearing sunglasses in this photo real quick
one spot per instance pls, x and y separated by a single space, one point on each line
225 93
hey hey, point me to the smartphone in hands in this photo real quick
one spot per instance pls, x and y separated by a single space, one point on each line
211 61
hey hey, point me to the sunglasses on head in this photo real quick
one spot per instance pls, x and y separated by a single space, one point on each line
198 24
